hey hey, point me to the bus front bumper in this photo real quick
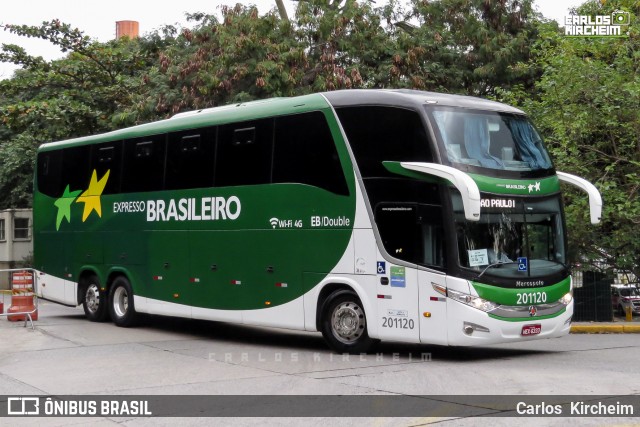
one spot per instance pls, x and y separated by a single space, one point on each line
468 326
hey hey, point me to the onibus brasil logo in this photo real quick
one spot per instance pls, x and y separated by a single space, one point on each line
90 197
597 26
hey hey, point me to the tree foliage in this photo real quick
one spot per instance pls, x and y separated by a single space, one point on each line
46 101
587 104
583 93
242 56
467 46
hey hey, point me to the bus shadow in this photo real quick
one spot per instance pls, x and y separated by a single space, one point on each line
235 333
457 354
277 339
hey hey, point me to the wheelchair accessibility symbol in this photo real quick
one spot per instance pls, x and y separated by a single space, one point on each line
523 264
382 267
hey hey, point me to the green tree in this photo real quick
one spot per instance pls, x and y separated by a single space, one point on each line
242 56
466 46
237 57
587 104
53 100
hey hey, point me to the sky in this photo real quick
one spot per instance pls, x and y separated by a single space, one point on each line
97 19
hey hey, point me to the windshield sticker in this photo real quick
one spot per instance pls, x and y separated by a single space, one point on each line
398 277
523 264
478 257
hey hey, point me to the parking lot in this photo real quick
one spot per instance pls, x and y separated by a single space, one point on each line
67 355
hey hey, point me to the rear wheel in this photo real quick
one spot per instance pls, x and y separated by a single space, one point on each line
344 323
94 301
121 306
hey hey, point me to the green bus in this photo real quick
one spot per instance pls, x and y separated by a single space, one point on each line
364 214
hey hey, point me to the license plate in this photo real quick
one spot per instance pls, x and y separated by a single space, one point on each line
528 330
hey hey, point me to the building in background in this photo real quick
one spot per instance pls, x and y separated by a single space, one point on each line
16 241
129 29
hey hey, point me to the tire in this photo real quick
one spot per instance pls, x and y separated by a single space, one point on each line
94 301
344 323
121 307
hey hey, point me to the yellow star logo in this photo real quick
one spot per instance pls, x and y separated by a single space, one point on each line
91 197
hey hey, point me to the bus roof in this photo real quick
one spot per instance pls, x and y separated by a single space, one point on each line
206 117
283 106
413 99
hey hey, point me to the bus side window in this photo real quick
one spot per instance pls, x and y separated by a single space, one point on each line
244 153
305 153
108 157
49 173
143 168
412 232
377 134
76 167
191 159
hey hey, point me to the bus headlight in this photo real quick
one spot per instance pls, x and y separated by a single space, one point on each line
566 299
470 300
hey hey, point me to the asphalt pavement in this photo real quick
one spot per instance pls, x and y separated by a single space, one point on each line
65 355
618 325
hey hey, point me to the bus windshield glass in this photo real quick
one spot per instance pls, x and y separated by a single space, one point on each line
515 237
489 140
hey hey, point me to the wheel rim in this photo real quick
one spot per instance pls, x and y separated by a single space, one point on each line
120 302
92 298
348 322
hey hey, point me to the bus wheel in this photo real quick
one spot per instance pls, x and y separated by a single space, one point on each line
121 307
94 301
344 323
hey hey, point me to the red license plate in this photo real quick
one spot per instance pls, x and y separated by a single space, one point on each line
528 330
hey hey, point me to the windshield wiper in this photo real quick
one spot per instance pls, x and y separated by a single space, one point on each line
494 265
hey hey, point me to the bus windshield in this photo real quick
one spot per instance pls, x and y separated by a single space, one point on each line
489 140
515 237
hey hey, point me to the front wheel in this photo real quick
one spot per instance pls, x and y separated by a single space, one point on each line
344 323
121 306
94 301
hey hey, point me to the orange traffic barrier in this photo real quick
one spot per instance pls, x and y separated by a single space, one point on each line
22 298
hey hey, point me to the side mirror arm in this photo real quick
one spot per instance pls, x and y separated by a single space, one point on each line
595 200
464 183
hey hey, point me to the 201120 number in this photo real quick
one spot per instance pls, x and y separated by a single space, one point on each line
392 322
532 298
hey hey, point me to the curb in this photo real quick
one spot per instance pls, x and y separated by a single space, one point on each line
605 329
